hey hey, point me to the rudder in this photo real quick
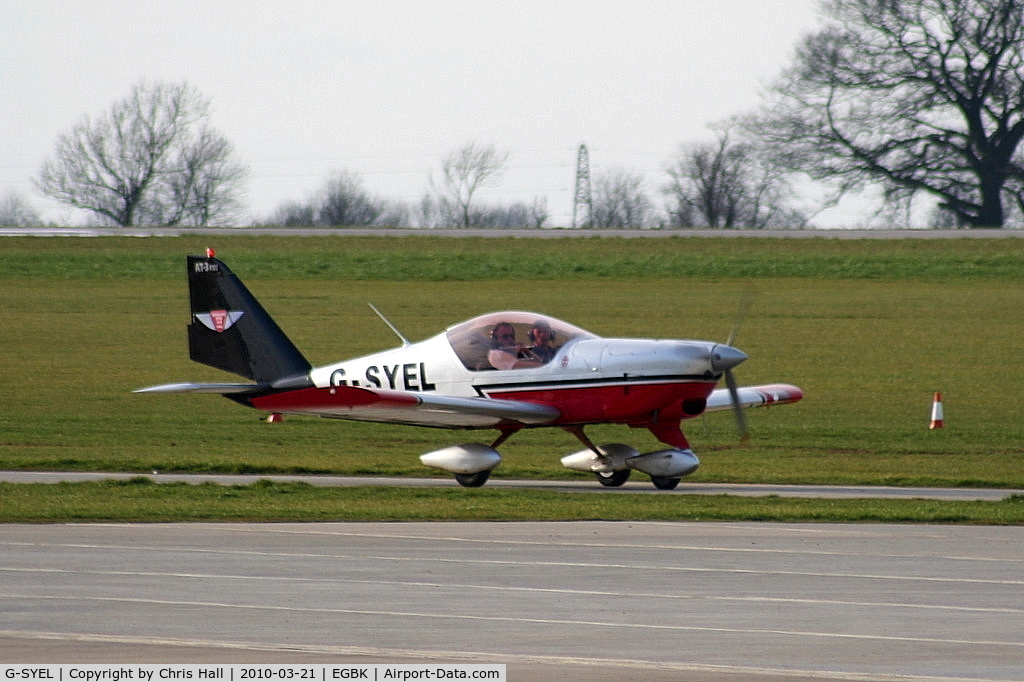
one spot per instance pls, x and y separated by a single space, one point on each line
231 331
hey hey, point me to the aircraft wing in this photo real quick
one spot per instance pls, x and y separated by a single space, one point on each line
755 396
221 389
404 407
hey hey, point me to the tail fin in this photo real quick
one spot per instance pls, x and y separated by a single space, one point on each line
230 330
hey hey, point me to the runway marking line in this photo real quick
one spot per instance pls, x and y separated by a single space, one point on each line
508 588
510 619
638 566
609 545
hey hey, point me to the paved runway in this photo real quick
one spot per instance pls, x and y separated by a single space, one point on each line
578 601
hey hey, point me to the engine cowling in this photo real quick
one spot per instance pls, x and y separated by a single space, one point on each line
468 458
670 463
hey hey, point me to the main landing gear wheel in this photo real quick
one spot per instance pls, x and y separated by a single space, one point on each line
664 482
473 480
612 479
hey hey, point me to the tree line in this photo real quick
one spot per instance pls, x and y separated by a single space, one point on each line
922 99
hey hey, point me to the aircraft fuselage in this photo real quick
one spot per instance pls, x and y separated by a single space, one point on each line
588 379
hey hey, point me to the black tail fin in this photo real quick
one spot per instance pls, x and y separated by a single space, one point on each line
230 330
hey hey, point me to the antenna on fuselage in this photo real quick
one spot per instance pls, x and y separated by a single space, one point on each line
405 341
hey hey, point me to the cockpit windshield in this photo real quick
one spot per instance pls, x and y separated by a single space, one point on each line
511 340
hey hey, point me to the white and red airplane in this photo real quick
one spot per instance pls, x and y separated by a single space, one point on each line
506 371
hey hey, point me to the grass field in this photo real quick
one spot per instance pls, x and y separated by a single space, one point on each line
869 329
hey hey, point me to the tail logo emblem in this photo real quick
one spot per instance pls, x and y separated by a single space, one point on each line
219 320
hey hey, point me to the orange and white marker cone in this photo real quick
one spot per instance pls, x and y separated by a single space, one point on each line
937 412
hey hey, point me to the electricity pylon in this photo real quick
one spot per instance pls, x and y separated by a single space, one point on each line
583 204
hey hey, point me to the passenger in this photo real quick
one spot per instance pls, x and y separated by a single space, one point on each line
505 352
543 339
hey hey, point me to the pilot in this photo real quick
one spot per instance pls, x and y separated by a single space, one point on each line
543 338
505 353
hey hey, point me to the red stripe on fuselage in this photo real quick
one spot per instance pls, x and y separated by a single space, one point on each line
621 402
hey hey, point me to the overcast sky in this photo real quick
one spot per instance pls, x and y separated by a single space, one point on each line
387 88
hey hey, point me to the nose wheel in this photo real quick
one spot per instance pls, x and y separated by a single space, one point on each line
665 482
473 480
612 479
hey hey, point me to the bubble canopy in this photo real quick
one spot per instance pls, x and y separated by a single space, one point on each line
513 339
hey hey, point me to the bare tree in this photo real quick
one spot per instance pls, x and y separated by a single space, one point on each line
620 200
151 159
203 188
517 214
15 211
341 202
705 182
917 96
727 184
393 213
344 201
293 214
539 213
427 213
463 173
437 212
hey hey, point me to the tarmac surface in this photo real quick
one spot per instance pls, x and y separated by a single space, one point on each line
575 601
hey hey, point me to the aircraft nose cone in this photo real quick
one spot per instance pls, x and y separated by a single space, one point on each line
724 358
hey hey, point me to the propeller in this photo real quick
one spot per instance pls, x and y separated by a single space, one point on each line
725 361
741 315
737 409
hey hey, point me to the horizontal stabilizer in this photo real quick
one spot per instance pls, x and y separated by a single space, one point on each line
222 389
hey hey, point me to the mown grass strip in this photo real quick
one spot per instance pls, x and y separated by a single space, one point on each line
142 500
868 354
429 258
